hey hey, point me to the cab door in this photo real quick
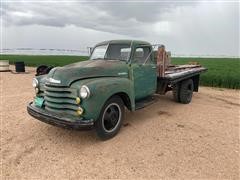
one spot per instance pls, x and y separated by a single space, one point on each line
144 74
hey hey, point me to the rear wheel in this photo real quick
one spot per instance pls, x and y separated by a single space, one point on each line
175 92
186 91
110 119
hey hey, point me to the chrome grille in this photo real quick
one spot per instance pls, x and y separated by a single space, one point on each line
60 100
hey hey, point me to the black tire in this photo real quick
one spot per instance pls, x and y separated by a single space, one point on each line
41 70
48 69
110 119
186 91
175 92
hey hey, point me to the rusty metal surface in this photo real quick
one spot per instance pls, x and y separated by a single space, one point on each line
88 69
146 101
183 72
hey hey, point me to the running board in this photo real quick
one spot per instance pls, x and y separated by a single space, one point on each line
145 102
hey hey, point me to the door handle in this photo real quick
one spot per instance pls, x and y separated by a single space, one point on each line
154 67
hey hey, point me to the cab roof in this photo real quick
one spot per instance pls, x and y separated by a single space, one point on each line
124 41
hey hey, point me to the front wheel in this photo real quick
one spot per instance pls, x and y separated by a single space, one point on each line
110 119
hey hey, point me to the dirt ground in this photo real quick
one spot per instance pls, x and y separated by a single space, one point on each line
164 140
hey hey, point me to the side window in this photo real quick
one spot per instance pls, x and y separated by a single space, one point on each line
118 52
125 53
141 54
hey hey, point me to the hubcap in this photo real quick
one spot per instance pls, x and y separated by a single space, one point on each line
111 117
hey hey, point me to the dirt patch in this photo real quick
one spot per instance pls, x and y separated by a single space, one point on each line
163 113
163 140
226 101
180 125
126 124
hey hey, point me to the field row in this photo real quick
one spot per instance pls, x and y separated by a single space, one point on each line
222 72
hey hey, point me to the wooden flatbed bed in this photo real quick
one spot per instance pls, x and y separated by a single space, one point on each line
177 73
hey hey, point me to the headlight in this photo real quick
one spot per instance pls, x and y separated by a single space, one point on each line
35 82
84 92
36 90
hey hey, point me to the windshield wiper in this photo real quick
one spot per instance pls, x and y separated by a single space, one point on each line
109 59
122 60
97 59
115 59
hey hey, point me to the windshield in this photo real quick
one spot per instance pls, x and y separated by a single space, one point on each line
112 52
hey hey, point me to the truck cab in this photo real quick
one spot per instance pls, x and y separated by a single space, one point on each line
94 93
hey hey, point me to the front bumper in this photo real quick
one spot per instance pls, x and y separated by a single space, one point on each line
56 120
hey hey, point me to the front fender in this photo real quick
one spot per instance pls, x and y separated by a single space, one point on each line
102 89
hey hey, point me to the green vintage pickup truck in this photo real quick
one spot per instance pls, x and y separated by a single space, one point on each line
94 93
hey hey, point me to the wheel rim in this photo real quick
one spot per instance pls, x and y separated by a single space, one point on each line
111 117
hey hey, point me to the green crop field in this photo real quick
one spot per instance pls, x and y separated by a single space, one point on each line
222 72
36 60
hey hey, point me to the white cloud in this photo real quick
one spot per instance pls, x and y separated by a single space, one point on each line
116 17
186 28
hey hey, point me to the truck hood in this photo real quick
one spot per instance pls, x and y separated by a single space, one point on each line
64 76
